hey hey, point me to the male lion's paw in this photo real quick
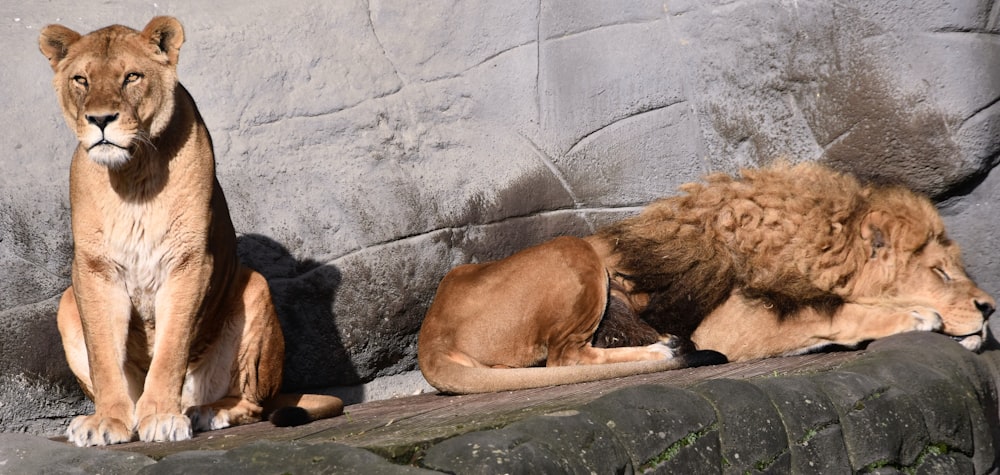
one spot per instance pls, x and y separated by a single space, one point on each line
972 342
926 319
208 418
97 430
164 427
664 347
681 346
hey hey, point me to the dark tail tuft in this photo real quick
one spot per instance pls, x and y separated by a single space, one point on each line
705 358
289 416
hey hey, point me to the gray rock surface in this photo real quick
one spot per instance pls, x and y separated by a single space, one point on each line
276 457
891 411
751 431
367 147
912 403
25 454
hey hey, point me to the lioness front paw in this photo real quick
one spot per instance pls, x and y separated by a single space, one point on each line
926 319
93 430
164 427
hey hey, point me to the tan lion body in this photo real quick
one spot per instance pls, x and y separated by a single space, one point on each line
782 261
541 305
162 326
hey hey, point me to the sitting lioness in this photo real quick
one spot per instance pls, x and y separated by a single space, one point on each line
162 326
783 260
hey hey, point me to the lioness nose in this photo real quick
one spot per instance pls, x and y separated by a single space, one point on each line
986 308
102 121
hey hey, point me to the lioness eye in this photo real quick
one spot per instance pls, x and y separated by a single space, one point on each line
132 77
941 273
80 80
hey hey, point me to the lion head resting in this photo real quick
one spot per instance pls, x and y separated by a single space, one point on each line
912 259
115 98
791 237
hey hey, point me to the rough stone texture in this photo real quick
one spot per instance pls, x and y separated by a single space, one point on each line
271 457
751 432
562 442
815 438
901 408
21 453
913 403
646 431
367 147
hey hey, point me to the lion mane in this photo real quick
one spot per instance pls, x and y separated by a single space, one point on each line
788 237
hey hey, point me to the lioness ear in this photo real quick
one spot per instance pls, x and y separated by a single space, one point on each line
55 41
167 34
872 234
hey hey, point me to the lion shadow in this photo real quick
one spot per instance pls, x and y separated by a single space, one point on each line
304 292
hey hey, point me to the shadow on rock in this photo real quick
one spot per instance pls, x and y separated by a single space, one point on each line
304 292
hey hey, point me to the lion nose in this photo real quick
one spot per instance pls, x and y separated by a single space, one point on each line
986 308
102 121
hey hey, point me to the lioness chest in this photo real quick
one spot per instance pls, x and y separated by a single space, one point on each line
145 242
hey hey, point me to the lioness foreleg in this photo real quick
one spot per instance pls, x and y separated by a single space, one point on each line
113 419
158 411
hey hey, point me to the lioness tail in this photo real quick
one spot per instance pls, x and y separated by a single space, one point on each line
296 409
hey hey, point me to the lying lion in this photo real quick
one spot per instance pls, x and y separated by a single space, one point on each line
162 326
781 261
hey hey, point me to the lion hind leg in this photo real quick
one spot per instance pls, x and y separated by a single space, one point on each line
242 368
589 355
256 377
226 412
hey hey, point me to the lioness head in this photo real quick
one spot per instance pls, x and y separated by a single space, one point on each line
115 85
912 259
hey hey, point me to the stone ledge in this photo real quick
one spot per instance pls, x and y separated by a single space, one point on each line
915 403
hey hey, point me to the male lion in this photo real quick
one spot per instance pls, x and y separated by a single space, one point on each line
783 261
162 326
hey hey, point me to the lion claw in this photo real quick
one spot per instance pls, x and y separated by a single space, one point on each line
94 430
164 427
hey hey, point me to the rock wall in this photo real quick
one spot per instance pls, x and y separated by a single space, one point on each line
367 147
